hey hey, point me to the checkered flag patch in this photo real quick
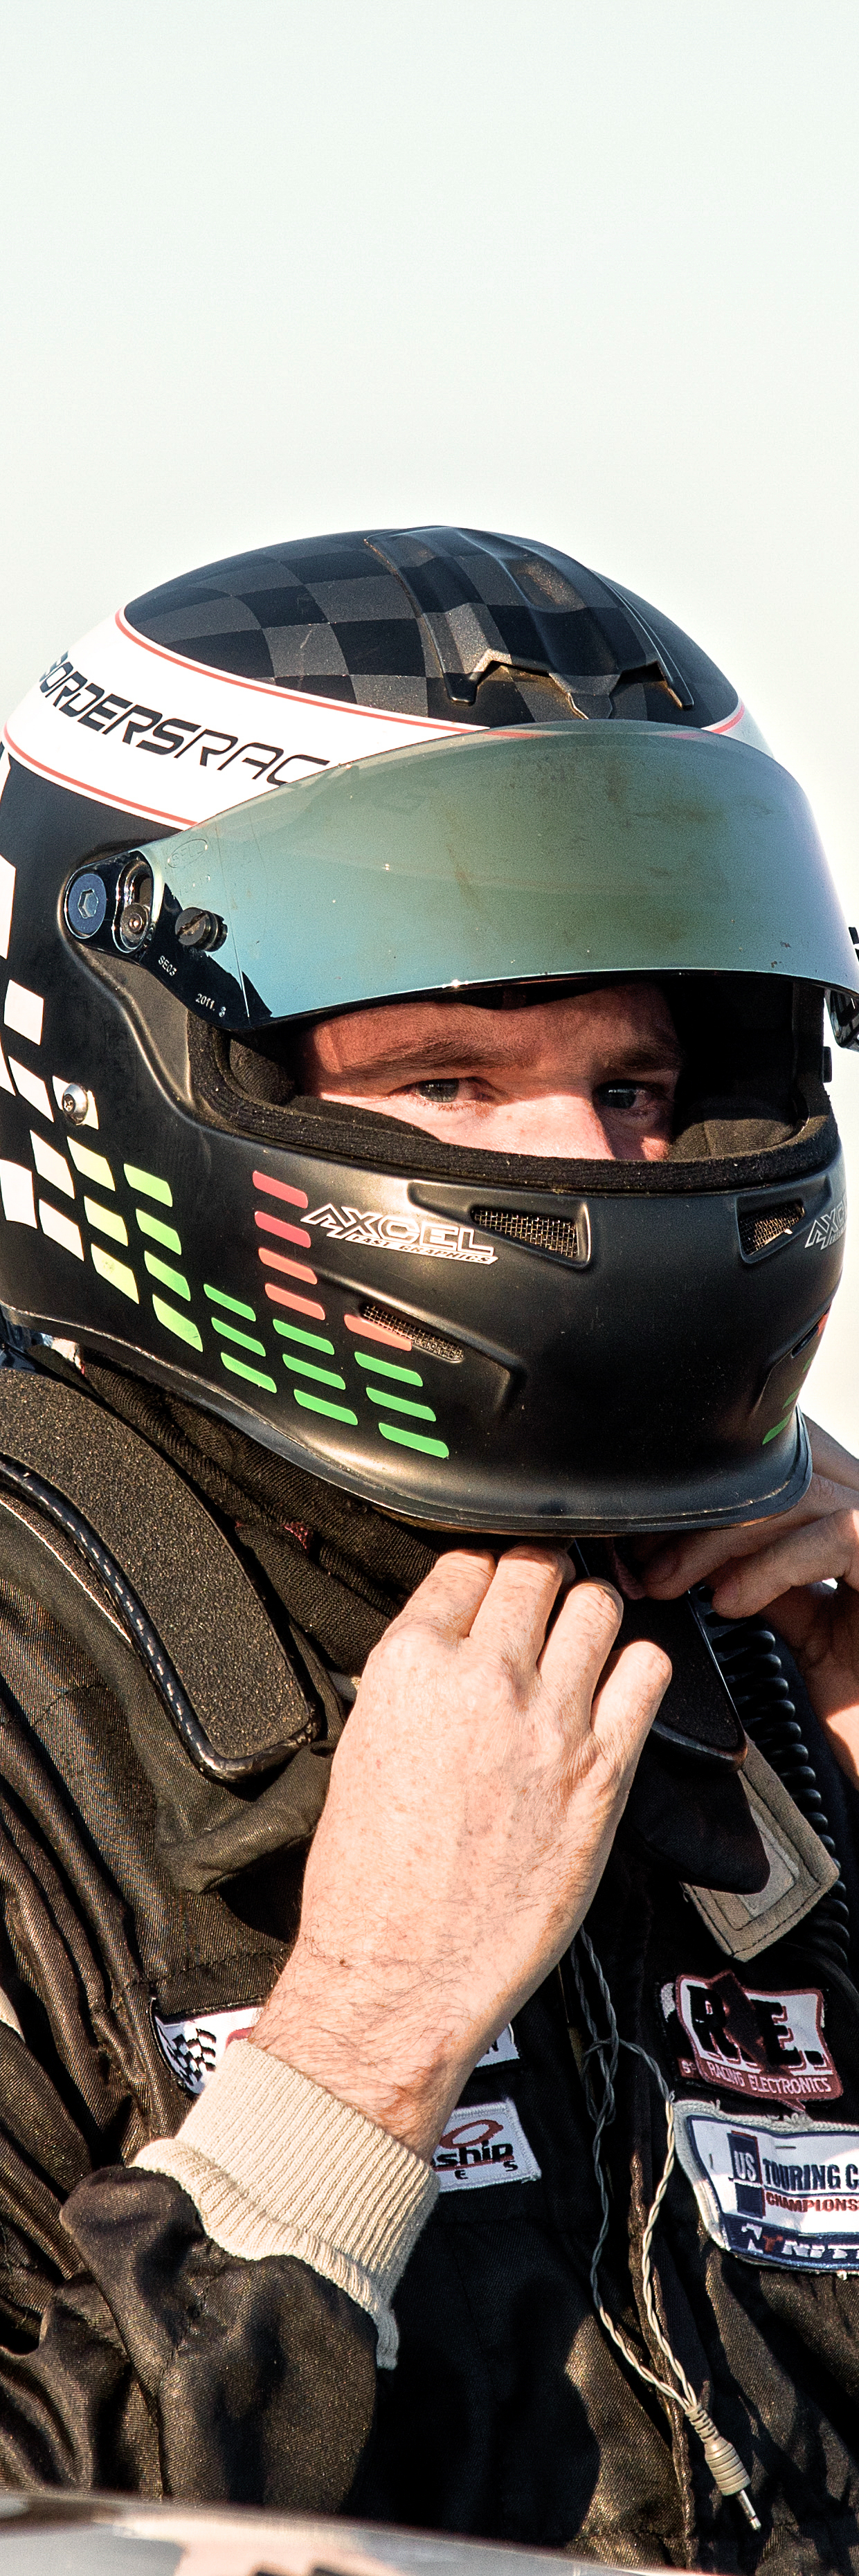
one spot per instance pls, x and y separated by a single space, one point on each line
194 2045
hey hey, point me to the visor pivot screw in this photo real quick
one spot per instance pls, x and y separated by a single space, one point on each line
75 1104
197 929
86 905
135 895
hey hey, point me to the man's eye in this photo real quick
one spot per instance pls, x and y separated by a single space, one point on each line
618 1095
437 1091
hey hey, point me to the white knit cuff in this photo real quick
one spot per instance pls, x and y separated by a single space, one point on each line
275 2165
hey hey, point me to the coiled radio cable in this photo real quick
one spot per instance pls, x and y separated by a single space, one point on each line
749 1657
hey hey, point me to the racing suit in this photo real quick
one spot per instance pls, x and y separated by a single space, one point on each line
219 2283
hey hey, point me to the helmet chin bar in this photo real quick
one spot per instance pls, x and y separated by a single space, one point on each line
479 1355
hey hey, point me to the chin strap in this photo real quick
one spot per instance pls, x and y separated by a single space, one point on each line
723 2461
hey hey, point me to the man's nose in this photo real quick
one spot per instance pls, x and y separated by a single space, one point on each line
566 1123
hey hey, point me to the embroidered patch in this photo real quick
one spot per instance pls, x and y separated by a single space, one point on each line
501 2051
785 2194
768 2045
484 2143
194 2046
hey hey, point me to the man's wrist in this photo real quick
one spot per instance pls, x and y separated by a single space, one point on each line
370 2038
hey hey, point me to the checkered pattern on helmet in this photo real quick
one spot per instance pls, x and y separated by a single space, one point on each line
450 623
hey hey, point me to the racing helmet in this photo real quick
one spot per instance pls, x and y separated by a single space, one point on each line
397 763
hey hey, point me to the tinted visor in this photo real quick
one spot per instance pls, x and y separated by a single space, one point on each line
559 852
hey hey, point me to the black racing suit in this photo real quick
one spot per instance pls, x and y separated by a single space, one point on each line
137 2354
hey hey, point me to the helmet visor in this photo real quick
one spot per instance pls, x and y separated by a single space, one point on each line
555 852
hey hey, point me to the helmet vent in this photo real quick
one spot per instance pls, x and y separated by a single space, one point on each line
568 1237
766 1226
436 1345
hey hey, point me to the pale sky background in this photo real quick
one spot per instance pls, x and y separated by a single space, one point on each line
584 275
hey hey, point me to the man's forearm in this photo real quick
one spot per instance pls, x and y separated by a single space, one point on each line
376 2037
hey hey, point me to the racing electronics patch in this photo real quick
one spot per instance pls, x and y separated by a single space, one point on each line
484 2143
785 2193
195 2045
770 2046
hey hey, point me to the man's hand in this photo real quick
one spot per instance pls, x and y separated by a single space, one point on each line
474 1798
785 1566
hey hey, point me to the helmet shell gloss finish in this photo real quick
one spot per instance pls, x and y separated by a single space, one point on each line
614 1348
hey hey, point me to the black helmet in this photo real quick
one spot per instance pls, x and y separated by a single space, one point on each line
408 732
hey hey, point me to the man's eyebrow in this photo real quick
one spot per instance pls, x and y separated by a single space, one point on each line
641 1055
644 1056
411 1056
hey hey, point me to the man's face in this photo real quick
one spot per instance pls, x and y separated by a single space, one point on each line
591 1077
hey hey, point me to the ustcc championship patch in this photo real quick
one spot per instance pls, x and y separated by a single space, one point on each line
784 2192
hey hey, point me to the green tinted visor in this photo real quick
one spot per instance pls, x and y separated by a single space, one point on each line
558 852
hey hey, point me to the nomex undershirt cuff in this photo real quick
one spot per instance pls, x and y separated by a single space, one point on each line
275 2165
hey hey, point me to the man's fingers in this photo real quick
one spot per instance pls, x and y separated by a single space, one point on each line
830 1459
812 1555
796 1617
673 1567
514 1612
626 1702
582 1637
450 1596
